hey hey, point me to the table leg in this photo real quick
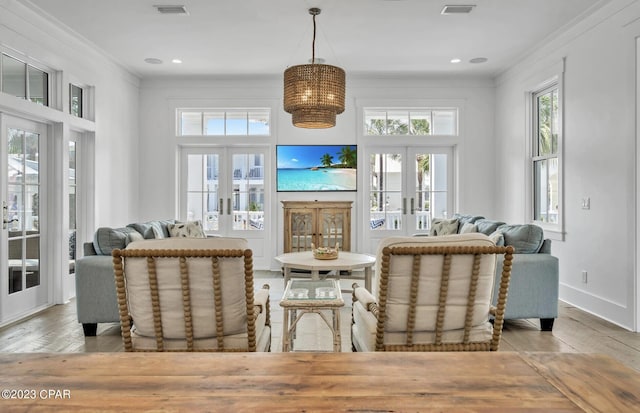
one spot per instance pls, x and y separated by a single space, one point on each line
315 275
367 278
285 331
287 275
337 338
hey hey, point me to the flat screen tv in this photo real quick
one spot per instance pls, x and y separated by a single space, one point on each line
316 168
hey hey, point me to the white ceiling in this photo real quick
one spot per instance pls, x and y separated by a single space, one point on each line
229 37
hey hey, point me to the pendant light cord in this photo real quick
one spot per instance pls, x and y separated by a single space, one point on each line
313 45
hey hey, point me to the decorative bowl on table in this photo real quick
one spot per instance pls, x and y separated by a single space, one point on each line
325 253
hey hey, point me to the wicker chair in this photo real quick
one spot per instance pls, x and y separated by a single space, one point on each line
186 294
434 295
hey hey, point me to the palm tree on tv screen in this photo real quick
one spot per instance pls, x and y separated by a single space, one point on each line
326 160
348 157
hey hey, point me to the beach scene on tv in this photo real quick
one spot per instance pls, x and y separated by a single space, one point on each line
316 167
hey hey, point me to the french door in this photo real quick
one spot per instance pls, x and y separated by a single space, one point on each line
24 279
406 188
226 188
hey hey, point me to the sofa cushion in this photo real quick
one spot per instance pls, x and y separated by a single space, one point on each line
487 226
190 229
107 239
441 226
152 229
525 238
464 219
468 227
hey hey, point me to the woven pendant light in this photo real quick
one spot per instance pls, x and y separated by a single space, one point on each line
314 93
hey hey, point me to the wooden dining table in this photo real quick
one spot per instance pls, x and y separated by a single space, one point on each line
306 381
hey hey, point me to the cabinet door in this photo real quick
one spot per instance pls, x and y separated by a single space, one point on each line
334 228
301 226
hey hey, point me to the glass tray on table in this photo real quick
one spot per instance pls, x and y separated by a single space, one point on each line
312 290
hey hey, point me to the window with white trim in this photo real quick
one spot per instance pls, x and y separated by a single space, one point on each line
23 80
414 121
545 160
224 122
75 100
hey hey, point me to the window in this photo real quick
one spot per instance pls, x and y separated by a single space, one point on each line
75 100
423 121
224 122
546 135
23 80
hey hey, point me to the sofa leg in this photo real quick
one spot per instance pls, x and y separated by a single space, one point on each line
546 324
90 329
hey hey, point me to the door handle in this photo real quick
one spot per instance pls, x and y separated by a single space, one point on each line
221 206
413 208
404 206
228 206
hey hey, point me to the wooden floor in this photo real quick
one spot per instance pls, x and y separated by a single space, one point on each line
57 330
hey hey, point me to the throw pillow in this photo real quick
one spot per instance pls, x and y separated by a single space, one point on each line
134 236
487 226
525 239
107 239
190 229
468 227
440 226
497 238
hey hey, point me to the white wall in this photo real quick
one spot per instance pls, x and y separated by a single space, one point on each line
113 135
116 104
158 161
599 156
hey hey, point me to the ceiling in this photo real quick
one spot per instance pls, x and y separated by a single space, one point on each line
250 37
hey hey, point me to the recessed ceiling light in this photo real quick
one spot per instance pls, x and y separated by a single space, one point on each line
457 9
153 61
478 60
456 60
176 61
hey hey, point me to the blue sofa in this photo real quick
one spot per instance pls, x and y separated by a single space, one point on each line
533 290
96 300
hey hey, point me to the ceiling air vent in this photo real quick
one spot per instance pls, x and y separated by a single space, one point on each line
457 9
167 9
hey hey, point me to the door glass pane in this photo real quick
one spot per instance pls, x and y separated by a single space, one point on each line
202 190
385 197
248 191
72 206
423 187
14 78
23 210
439 182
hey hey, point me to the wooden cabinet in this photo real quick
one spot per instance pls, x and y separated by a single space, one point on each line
323 223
